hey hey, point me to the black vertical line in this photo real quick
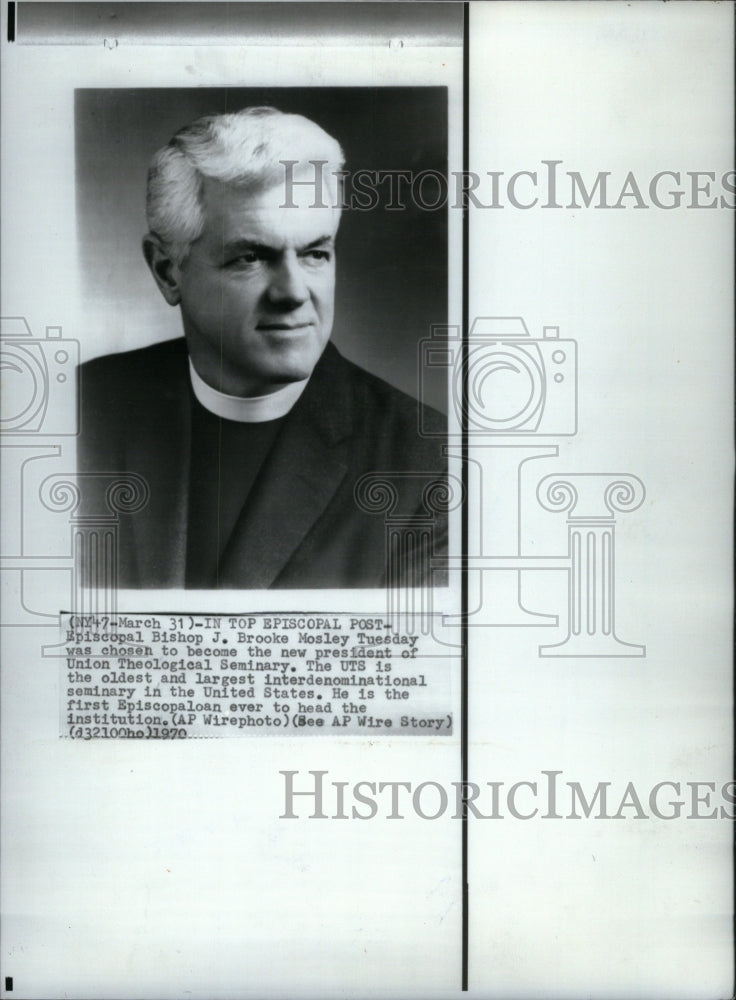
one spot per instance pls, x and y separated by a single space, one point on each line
464 473
11 20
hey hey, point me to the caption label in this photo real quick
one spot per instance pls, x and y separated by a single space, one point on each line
179 676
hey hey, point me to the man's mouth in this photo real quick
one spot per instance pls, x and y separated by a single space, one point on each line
284 327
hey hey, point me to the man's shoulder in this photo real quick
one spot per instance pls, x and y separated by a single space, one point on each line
395 420
149 360
387 400
391 401
125 382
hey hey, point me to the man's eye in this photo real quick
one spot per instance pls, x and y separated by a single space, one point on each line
317 256
244 259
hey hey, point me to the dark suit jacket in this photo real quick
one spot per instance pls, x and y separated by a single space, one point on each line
301 525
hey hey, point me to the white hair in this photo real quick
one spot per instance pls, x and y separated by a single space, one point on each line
246 148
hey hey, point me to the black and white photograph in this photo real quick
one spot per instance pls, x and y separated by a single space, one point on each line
367 451
250 431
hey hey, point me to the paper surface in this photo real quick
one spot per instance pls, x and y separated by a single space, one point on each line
588 328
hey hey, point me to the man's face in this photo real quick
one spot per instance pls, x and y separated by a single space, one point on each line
257 289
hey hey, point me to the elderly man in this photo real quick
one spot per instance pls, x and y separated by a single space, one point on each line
252 431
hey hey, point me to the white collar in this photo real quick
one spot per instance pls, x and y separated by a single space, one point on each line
246 409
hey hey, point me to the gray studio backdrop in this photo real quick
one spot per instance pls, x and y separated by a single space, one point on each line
392 264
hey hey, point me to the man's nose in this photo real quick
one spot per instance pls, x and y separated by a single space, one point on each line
288 284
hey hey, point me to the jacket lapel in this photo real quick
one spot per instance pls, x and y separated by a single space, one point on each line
299 478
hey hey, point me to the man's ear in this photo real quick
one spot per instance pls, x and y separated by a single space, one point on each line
164 269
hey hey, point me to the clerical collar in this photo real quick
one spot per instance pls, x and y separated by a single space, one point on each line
246 409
